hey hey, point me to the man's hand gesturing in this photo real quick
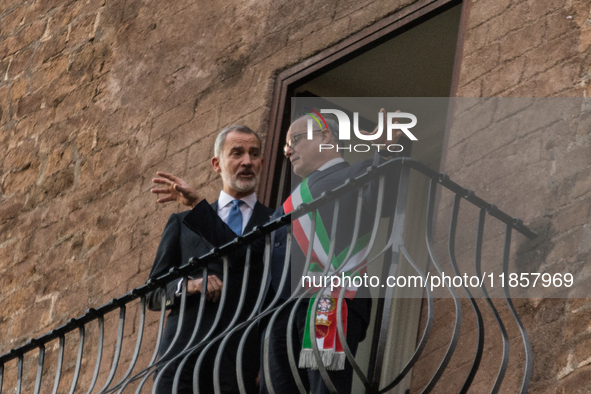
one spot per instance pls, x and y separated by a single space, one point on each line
176 189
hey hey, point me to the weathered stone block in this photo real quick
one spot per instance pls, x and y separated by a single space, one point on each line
10 208
15 300
490 140
163 124
74 102
547 55
328 35
58 159
257 120
511 19
466 122
565 247
57 183
82 29
20 180
19 63
21 156
571 216
582 183
7 252
18 89
51 47
483 10
479 62
193 133
65 14
30 103
506 75
476 38
244 103
572 161
49 72
29 33
537 9
558 23
471 89
8 6
577 382
523 40
12 20
558 79
578 323
156 152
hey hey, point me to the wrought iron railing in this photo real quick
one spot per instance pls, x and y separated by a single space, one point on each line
143 362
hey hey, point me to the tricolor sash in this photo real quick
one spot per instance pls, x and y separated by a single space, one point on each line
331 350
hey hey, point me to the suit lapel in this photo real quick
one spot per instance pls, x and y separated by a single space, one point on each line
259 216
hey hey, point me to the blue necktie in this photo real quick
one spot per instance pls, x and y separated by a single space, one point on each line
235 217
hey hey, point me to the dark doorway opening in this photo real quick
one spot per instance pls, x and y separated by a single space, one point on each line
408 55
413 53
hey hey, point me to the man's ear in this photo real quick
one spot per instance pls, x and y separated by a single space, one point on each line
326 136
215 163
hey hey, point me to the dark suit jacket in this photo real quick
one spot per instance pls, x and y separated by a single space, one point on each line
318 182
177 245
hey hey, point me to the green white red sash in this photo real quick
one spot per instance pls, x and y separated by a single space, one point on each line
331 350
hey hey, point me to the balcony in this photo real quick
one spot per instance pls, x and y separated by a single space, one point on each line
114 348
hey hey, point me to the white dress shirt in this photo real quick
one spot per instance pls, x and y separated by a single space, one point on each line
224 205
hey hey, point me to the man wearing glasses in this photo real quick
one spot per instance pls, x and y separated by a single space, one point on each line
320 170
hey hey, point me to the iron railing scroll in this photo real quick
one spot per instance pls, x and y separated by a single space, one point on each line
131 372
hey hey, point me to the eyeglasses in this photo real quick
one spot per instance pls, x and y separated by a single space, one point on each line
295 139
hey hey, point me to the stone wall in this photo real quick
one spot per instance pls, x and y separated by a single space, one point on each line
95 97
516 48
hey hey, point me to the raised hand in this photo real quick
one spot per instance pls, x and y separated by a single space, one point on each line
175 189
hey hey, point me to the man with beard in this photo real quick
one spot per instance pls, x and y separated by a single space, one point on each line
321 171
237 157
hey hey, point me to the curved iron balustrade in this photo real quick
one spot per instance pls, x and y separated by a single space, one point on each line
371 381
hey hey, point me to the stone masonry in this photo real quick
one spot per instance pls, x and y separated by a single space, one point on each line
97 95
516 48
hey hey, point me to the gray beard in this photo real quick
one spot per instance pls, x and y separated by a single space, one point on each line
240 185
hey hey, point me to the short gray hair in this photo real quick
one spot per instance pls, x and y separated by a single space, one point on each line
220 140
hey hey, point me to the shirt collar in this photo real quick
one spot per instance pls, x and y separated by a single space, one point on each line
226 199
331 163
